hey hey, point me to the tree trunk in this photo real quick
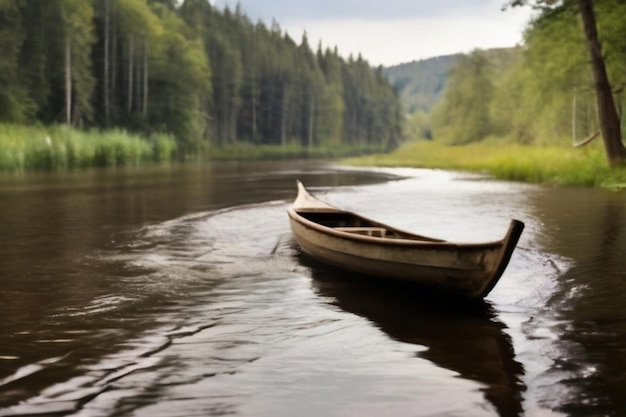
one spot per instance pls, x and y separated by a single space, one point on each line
608 118
283 119
254 106
138 77
574 119
144 108
129 102
114 68
107 37
68 81
254 88
311 121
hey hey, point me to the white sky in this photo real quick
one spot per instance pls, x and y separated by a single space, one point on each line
389 32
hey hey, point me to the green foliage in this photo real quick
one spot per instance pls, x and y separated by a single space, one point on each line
463 114
14 102
556 71
540 93
78 37
418 126
181 77
164 147
205 77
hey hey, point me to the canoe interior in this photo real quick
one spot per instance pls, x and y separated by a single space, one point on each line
346 221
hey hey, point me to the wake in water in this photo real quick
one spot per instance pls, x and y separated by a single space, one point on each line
173 274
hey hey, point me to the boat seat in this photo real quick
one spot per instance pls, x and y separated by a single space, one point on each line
367 231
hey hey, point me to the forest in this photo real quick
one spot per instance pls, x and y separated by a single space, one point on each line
206 78
541 92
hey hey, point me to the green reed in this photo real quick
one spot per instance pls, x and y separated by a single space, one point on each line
61 148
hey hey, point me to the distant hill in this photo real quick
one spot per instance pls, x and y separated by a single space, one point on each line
421 83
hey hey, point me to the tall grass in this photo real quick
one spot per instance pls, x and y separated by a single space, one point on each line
61 148
510 161
26 148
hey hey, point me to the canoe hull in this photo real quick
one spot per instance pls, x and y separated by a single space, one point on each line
467 270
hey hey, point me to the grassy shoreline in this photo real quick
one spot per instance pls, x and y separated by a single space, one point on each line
557 165
59 147
54 148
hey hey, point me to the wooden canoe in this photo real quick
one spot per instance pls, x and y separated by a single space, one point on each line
352 242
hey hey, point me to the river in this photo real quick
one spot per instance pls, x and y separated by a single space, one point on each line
178 291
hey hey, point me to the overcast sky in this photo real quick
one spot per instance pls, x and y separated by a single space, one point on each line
390 32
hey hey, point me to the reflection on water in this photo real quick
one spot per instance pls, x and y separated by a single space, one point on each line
466 338
177 291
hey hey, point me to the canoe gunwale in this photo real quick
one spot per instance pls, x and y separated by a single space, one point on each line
419 241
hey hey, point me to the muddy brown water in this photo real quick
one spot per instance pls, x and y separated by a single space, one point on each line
178 291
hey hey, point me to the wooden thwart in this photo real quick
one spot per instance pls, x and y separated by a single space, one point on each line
368 231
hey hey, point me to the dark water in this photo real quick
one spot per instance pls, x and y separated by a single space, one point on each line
178 291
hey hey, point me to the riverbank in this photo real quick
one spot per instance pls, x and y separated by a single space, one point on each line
29 148
558 165
246 151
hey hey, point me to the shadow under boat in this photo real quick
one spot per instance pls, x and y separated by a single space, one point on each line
462 336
